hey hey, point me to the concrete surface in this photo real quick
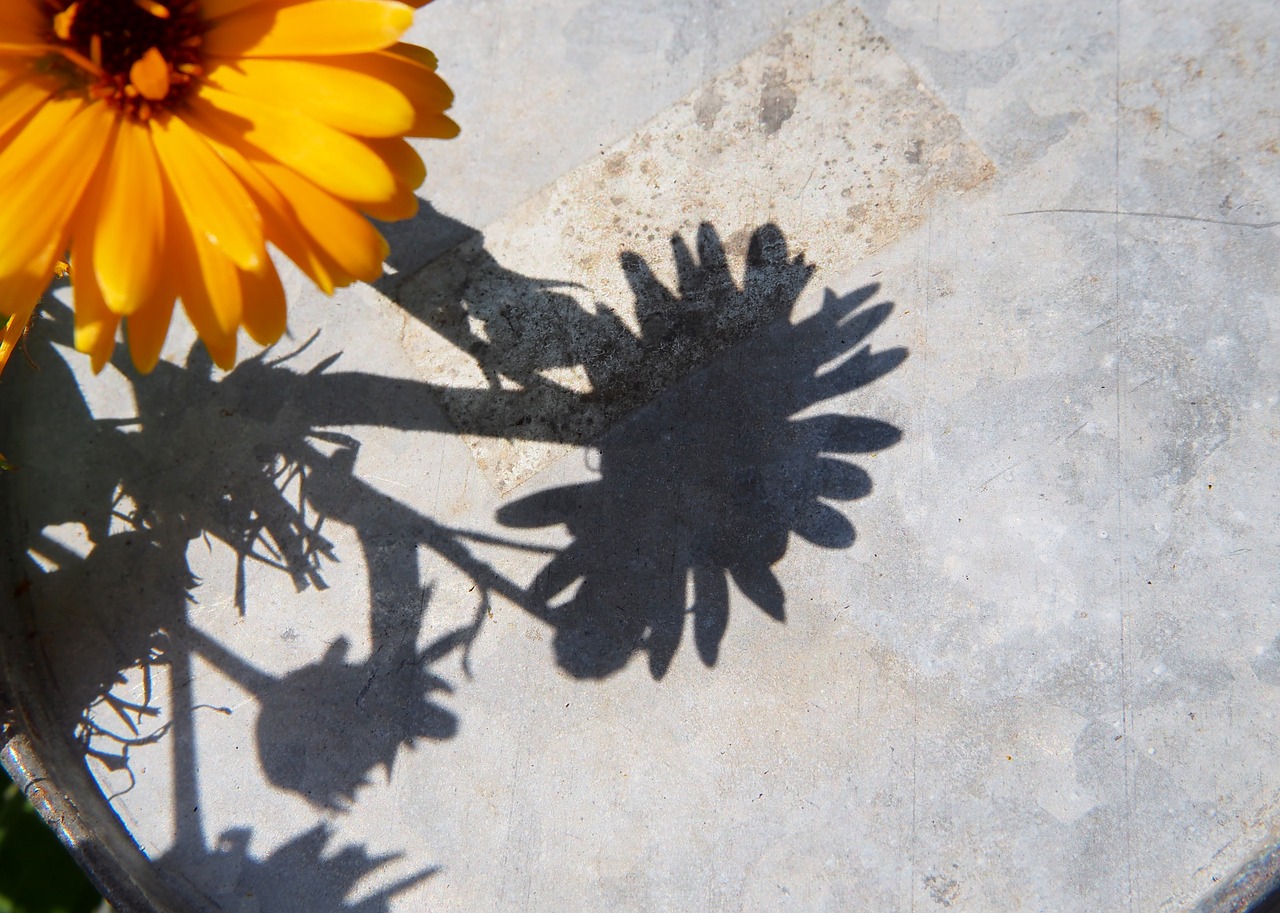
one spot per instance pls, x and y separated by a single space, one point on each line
810 457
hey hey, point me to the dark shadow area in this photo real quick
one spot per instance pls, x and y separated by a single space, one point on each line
517 329
304 874
704 486
245 460
417 242
707 481
717 464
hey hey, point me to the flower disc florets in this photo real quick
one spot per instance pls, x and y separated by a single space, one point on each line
138 55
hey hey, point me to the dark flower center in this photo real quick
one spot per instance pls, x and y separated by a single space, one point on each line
139 55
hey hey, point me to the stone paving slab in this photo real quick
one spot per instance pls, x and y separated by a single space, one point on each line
944 577
823 130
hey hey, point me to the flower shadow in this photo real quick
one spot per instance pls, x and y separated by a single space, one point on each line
701 484
704 486
522 333
710 466
250 460
232 878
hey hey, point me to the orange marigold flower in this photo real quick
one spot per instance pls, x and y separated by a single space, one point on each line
165 142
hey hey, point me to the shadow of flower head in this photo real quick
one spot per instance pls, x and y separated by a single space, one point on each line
304 874
522 333
325 727
705 485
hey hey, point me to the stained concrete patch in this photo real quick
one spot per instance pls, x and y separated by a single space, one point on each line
585 302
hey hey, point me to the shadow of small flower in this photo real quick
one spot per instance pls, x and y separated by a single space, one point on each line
324 728
302 874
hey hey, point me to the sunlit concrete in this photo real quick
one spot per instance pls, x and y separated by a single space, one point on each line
806 457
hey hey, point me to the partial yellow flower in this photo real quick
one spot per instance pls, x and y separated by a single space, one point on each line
15 327
166 142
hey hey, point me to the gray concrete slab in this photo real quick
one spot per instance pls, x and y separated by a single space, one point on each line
811 457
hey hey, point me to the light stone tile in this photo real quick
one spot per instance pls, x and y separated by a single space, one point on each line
822 146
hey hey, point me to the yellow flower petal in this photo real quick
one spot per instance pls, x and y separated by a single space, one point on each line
19 100
335 161
95 323
198 291
213 202
21 21
337 228
22 289
127 226
414 75
216 9
435 126
343 98
43 173
407 166
264 306
220 346
402 159
280 223
318 27
404 205
12 74
206 281
13 330
218 284
414 52
147 328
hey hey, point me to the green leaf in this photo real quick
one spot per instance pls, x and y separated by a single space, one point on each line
36 873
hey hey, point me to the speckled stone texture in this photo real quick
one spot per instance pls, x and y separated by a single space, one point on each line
812 457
